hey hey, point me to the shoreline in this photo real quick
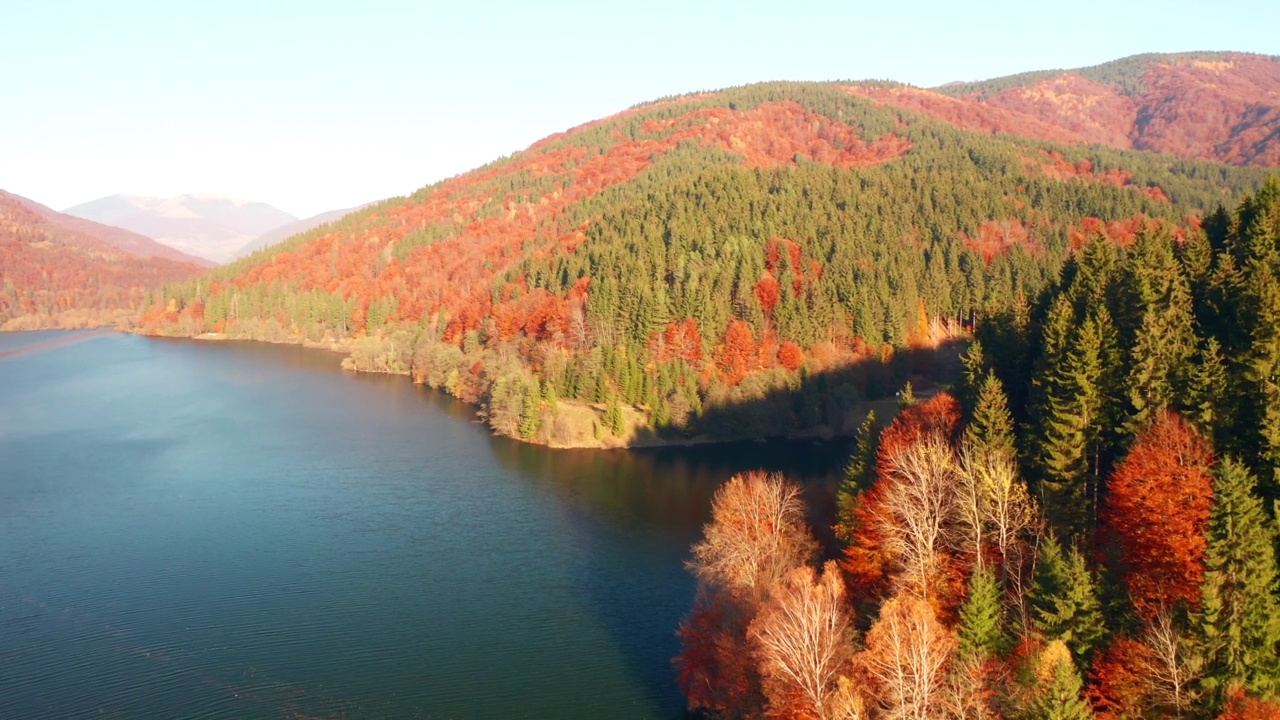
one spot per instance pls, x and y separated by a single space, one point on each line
637 434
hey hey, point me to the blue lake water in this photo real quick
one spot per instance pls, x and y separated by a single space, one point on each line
236 530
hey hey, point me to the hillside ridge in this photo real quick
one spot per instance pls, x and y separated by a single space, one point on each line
756 261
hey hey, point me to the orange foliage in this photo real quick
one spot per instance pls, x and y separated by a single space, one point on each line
1121 232
866 561
1119 679
716 669
1053 165
737 354
779 133
1188 107
680 341
1157 508
939 414
479 234
996 237
54 268
1242 707
790 356
767 292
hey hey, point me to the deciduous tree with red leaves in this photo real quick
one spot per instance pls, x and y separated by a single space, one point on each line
1157 510
868 559
737 355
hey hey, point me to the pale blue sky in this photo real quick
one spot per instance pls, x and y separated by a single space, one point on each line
312 106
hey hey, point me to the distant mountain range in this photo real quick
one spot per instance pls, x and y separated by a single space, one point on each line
63 271
213 227
285 232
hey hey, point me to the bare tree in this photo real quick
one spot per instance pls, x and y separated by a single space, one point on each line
757 534
996 509
579 335
916 518
804 641
1174 668
908 652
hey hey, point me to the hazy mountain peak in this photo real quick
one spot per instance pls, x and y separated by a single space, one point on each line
208 224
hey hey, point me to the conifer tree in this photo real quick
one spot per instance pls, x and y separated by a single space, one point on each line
1064 600
971 381
531 410
1262 373
1163 329
1208 405
1240 618
1070 420
982 618
991 426
613 414
907 396
858 475
1058 695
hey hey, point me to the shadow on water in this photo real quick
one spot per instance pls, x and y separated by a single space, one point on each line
631 515
652 502
649 506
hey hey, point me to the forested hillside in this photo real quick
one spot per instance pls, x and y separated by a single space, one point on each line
790 250
1205 106
1088 531
58 271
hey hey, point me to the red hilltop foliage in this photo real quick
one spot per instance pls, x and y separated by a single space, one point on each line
1187 107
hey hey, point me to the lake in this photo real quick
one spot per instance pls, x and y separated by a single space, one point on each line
238 530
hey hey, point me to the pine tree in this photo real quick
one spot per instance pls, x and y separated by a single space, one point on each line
1070 418
613 414
1262 375
982 618
971 382
858 475
1064 600
1164 339
1208 404
991 426
907 396
531 411
1240 619
1058 697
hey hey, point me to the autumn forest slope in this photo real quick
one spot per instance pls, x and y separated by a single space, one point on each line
1203 106
61 271
777 244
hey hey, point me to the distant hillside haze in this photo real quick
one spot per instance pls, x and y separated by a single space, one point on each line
130 242
1203 106
62 271
210 226
284 232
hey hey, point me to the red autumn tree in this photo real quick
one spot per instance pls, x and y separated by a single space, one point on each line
1117 688
716 668
790 356
1157 510
867 560
767 292
738 353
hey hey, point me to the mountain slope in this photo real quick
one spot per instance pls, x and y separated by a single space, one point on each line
1203 106
785 248
54 274
208 226
284 232
130 242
